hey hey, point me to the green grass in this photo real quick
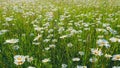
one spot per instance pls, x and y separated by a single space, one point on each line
76 15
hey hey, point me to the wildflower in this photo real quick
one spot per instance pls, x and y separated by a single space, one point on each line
81 53
5 24
116 57
29 59
37 28
64 36
73 31
64 65
118 40
31 34
61 29
111 30
3 31
54 40
116 67
103 42
50 35
79 66
108 28
52 46
77 24
27 14
96 52
69 44
46 60
85 24
16 47
13 41
113 39
36 43
50 30
36 38
108 56
76 59
100 30
19 59
93 59
47 48
46 40
31 67
106 25
46 24
49 14
9 19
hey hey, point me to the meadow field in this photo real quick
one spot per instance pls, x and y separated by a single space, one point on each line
59 33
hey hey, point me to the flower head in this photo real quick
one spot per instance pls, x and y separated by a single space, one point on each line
12 41
79 66
103 42
46 60
113 39
19 59
116 67
108 56
96 52
31 67
116 57
76 59
93 59
64 65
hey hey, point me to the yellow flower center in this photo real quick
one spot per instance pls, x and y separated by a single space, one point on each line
118 57
96 52
19 58
19 63
102 43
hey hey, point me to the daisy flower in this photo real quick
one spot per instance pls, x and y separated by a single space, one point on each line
19 59
76 59
103 42
116 57
46 60
96 52
12 41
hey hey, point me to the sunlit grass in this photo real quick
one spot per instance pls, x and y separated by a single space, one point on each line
59 34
